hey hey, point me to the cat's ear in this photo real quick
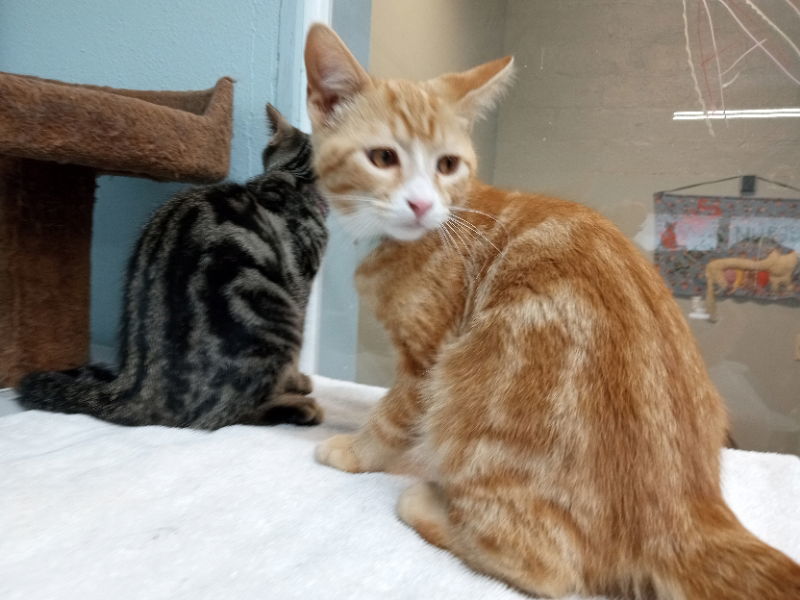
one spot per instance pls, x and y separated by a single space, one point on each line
476 91
278 126
333 73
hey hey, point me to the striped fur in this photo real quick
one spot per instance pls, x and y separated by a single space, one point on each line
548 389
215 298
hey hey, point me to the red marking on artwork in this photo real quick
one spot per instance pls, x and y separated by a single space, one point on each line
707 206
668 237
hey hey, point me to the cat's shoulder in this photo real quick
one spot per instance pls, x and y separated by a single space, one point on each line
203 194
532 208
552 224
201 205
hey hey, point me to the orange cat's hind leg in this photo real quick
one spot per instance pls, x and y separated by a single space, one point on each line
422 506
536 565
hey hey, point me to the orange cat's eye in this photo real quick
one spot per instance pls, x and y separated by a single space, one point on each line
448 164
383 158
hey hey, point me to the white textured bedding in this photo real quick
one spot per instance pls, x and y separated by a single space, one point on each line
90 510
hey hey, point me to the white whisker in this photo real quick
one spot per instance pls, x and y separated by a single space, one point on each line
471 227
479 232
356 198
443 239
457 233
449 235
480 212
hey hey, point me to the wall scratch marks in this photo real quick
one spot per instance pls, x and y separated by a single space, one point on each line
737 22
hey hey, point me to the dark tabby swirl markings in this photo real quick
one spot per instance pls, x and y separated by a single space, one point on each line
215 300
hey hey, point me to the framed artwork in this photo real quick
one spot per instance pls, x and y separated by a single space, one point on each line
718 246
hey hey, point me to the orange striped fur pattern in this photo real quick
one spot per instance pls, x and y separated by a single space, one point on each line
547 382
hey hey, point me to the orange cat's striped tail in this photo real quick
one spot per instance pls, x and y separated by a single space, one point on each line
731 564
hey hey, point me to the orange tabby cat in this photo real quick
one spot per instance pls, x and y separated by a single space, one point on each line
546 376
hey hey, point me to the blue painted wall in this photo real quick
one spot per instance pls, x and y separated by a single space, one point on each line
148 44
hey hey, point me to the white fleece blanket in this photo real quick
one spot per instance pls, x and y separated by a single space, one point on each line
90 510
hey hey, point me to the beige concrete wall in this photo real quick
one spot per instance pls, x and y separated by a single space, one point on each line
420 39
590 118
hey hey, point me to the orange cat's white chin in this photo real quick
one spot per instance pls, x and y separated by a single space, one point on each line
407 233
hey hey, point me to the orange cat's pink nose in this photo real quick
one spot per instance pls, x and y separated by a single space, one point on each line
420 207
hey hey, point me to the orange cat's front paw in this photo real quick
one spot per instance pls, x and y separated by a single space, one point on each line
337 452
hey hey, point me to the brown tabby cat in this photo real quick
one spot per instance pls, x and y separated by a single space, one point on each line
546 376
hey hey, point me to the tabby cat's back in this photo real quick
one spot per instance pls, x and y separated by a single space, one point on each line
214 302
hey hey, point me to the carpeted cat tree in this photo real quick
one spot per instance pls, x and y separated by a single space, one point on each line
55 138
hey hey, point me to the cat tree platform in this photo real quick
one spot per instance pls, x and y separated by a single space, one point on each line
55 139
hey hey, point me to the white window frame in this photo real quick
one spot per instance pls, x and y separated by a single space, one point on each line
310 11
